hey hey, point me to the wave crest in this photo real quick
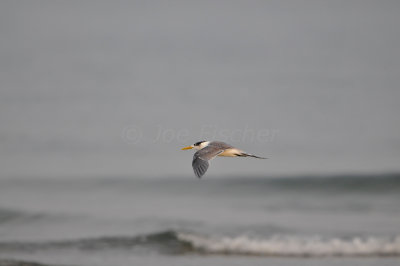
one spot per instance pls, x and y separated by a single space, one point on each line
180 243
294 246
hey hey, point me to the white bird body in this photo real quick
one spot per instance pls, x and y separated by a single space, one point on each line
208 150
230 152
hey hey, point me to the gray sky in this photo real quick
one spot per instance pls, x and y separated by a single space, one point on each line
115 88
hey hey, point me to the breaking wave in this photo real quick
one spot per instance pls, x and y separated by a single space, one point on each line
294 246
180 243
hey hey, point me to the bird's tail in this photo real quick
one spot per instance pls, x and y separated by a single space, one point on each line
244 154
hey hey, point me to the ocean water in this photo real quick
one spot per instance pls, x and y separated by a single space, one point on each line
97 97
109 89
297 220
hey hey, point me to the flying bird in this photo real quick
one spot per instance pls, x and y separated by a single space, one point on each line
207 150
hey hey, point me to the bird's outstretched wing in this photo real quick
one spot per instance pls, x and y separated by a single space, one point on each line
200 159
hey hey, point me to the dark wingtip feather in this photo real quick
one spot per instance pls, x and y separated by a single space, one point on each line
251 155
200 167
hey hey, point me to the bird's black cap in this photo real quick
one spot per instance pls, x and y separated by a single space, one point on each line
198 143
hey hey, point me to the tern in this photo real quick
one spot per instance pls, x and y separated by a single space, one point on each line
207 150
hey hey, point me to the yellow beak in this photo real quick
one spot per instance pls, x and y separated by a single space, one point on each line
187 148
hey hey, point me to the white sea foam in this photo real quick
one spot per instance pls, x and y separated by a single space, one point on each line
295 246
